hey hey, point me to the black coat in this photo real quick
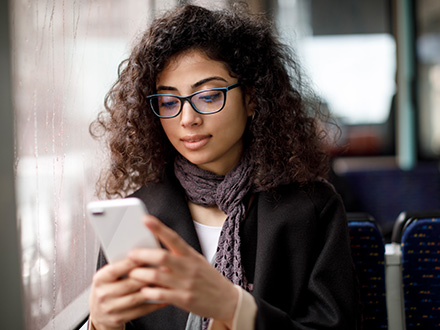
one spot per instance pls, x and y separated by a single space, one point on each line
295 250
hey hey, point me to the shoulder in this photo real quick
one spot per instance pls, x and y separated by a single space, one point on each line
315 194
303 208
161 196
154 190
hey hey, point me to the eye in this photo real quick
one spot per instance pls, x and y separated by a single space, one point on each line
210 96
168 102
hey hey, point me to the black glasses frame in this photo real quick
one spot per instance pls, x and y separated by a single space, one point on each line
189 97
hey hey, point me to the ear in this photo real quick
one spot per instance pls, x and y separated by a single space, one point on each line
249 104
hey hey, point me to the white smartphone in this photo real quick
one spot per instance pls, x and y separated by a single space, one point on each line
119 226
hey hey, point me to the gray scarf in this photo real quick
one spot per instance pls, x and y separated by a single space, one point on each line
227 192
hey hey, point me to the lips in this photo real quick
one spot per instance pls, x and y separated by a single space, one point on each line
194 142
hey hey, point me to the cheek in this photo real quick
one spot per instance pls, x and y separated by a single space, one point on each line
234 127
167 126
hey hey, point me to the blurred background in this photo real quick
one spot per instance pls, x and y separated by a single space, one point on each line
375 65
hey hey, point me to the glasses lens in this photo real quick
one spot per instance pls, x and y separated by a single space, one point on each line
209 101
165 106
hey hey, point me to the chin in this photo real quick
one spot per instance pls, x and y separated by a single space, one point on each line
198 162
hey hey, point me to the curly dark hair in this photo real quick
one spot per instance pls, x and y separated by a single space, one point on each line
284 137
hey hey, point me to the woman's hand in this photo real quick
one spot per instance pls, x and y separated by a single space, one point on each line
115 299
183 277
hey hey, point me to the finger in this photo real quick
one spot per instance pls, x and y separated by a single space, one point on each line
148 257
127 308
114 271
125 286
154 276
167 236
158 294
178 298
157 260
124 303
107 293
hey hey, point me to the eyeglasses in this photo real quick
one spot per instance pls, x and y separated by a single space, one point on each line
206 102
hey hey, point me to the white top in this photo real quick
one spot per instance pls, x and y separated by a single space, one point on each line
208 238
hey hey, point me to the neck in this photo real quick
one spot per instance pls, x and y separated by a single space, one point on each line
207 215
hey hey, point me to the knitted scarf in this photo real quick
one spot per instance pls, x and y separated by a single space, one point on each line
227 192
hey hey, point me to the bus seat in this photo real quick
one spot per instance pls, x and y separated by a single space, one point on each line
403 218
368 250
420 246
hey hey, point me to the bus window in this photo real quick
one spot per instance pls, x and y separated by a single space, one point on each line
65 56
349 53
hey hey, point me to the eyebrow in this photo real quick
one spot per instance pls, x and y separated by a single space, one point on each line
197 84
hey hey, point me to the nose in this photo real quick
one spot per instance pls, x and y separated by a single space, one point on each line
189 117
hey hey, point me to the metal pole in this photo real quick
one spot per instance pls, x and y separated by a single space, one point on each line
406 118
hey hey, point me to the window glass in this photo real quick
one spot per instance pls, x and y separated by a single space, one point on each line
353 74
65 56
349 54
428 75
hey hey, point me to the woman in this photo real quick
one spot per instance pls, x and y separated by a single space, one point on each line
210 130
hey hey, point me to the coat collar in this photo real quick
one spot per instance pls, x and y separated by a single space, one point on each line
166 200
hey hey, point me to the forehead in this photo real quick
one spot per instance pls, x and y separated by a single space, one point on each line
190 65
